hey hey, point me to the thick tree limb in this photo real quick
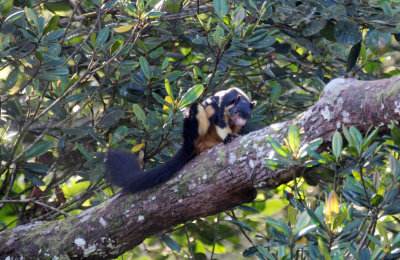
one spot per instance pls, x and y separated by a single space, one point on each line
218 180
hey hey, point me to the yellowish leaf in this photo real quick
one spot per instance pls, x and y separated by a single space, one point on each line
124 28
137 148
169 100
302 241
356 175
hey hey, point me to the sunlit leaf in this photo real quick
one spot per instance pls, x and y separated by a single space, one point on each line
294 138
124 28
191 95
337 145
137 148
168 89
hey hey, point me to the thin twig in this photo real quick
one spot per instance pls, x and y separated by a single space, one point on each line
188 241
215 235
37 202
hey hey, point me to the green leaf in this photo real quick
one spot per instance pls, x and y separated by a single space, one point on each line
275 164
54 35
249 252
265 253
337 145
37 168
348 136
258 35
102 37
316 219
307 229
314 27
275 93
277 147
302 222
240 15
396 240
119 134
12 79
165 63
365 254
62 141
191 95
38 149
32 17
279 225
161 100
294 139
144 65
357 136
248 208
6 7
339 220
322 248
241 62
376 200
154 14
241 224
369 139
110 119
96 137
395 133
292 215
347 32
92 40
52 24
312 146
15 16
353 56
83 151
168 89
140 115
378 42
76 97
221 8
33 178
39 56
374 240
171 243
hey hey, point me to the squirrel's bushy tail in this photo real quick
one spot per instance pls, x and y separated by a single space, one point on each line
124 170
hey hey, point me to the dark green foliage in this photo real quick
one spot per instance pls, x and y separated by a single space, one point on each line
369 192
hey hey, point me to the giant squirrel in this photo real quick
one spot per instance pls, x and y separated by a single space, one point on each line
218 119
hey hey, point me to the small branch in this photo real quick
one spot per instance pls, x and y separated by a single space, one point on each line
188 241
38 203
215 235
232 215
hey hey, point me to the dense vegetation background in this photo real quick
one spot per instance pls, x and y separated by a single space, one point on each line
78 77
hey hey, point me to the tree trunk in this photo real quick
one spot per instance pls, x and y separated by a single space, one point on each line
222 178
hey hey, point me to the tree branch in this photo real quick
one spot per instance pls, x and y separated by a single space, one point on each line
222 178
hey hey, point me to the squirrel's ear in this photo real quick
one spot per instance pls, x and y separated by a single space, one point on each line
252 104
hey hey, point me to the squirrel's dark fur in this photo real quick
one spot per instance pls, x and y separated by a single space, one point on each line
218 119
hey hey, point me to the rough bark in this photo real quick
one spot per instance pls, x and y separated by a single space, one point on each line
217 180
